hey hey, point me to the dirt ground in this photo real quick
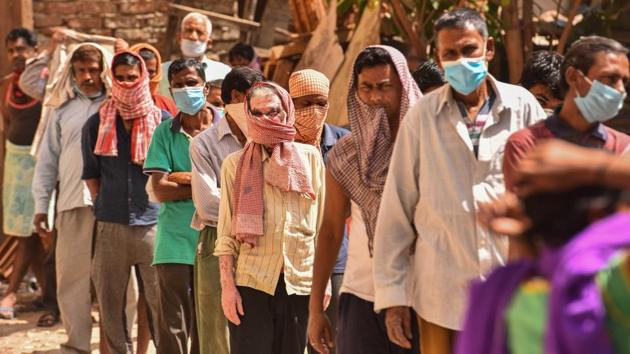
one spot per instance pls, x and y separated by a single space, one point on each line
22 336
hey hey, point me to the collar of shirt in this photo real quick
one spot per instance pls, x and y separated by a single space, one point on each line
562 129
223 129
329 139
501 102
176 123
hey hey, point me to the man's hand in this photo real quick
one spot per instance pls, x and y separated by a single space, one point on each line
57 37
398 323
232 304
120 45
319 332
40 221
557 165
180 177
504 216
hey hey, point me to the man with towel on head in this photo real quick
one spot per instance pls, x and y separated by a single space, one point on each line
77 94
115 142
271 207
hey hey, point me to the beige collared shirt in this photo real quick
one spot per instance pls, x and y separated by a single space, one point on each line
290 225
433 188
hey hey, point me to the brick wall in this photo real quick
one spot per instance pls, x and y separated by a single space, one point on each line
132 20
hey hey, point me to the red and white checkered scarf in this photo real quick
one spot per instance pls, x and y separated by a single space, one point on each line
133 102
285 171
359 161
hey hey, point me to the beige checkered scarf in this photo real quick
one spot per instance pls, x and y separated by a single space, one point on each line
309 121
359 162
285 171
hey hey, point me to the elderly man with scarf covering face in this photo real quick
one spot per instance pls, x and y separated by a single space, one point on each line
447 159
382 90
271 206
77 94
115 141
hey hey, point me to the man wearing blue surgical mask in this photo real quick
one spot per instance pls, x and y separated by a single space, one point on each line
194 37
593 77
168 163
447 159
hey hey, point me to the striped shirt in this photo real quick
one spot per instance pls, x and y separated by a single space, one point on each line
207 152
290 223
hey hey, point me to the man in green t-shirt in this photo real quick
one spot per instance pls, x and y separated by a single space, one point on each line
168 164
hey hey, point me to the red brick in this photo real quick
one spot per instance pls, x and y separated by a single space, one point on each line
121 22
137 7
132 35
62 8
47 20
85 22
97 7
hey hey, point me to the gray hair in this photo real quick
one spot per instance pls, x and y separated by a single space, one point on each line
197 17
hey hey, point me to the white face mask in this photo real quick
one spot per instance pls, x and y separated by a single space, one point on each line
237 112
193 49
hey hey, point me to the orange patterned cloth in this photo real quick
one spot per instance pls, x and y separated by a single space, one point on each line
155 81
309 121
285 169
132 101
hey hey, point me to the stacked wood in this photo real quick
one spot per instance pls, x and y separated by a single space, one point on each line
306 14
282 61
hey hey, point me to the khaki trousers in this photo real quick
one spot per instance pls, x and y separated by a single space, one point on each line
75 230
435 339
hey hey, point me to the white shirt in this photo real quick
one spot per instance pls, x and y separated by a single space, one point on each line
214 70
357 278
433 188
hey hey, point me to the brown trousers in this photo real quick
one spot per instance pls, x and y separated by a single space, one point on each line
435 339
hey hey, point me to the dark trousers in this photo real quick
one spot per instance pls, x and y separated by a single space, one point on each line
176 309
271 324
362 331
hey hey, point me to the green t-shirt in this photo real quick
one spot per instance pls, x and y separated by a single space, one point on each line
175 241
527 313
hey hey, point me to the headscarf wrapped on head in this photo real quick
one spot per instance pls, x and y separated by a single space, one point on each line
285 171
309 121
360 161
133 102
155 81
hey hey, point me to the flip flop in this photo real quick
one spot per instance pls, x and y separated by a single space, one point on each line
48 319
7 312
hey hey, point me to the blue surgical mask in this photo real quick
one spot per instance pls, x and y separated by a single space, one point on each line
465 74
189 100
601 103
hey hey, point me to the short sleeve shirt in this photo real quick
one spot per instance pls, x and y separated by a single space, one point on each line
175 240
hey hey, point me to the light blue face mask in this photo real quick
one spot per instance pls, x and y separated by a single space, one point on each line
601 103
466 74
189 99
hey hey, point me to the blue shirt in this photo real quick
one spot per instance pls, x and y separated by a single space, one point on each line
330 135
122 198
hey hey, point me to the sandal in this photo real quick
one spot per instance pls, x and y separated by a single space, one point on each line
48 319
7 312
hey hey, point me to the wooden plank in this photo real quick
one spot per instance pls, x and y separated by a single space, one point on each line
367 33
295 16
287 50
323 52
248 24
283 71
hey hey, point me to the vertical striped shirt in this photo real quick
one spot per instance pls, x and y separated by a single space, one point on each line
207 152
290 225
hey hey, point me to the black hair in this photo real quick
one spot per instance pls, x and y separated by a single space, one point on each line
124 59
461 18
543 68
369 58
185 63
581 55
87 53
558 216
242 50
216 83
29 36
427 75
241 79
147 54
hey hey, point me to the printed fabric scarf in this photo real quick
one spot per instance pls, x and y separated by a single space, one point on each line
309 121
576 321
133 102
285 170
360 161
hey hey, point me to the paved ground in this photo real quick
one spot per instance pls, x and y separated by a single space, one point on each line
22 336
